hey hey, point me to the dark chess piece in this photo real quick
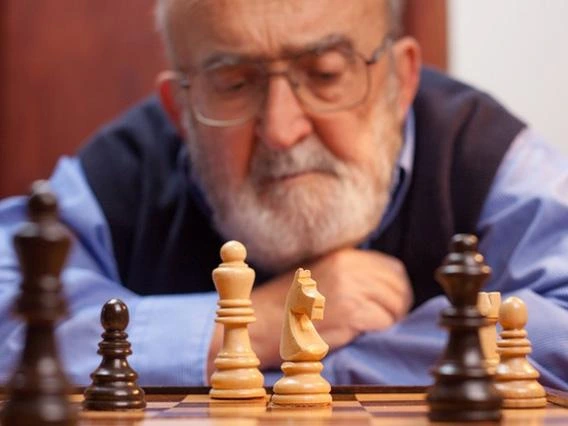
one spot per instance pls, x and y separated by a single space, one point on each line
114 384
37 393
463 389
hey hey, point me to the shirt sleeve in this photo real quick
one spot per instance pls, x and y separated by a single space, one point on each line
523 230
170 334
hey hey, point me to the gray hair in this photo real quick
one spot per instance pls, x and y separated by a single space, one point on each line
396 17
162 26
396 10
161 15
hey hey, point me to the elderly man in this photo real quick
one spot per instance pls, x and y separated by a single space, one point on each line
308 131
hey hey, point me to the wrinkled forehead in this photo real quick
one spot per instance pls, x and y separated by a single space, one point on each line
269 28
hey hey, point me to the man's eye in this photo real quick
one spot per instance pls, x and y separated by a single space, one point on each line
327 68
231 80
233 86
325 77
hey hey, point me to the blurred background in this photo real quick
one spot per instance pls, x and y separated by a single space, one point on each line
69 66
517 50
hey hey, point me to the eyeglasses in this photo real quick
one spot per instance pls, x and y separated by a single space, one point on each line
324 80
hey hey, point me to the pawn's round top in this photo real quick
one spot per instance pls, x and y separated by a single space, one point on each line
233 251
114 315
462 243
513 314
42 201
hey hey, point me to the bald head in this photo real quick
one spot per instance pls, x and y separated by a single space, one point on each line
391 14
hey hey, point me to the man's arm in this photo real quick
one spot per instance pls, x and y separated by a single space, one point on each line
169 334
523 233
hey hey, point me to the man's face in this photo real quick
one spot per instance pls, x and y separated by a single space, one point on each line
291 184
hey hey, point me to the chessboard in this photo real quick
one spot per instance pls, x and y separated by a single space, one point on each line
352 405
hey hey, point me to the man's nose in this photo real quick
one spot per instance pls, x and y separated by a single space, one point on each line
282 122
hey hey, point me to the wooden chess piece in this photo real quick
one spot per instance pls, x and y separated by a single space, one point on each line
488 305
37 392
237 375
114 384
302 348
463 389
516 378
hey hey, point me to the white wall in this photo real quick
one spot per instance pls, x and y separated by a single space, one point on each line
517 50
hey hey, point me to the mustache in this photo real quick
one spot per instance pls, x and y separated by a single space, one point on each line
309 155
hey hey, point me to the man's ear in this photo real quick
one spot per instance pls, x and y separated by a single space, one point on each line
169 92
408 60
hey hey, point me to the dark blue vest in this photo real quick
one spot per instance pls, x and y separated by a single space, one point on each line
164 243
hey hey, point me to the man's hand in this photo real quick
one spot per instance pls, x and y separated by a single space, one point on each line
364 291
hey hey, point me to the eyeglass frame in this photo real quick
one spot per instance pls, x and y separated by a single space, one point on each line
184 83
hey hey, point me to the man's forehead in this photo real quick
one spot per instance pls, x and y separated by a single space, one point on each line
269 28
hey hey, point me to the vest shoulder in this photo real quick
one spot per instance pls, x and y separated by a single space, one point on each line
132 159
142 129
138 150
441 97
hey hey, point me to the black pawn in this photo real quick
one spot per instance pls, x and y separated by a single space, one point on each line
37 393
114 384
463 390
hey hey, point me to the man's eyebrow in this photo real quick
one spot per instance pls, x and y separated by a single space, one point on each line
221 59
328 42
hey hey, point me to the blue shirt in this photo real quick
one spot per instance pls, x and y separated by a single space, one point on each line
523 233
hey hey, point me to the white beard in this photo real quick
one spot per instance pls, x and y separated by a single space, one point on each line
285 224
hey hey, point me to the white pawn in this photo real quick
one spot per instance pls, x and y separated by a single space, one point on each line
237 375
516 378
